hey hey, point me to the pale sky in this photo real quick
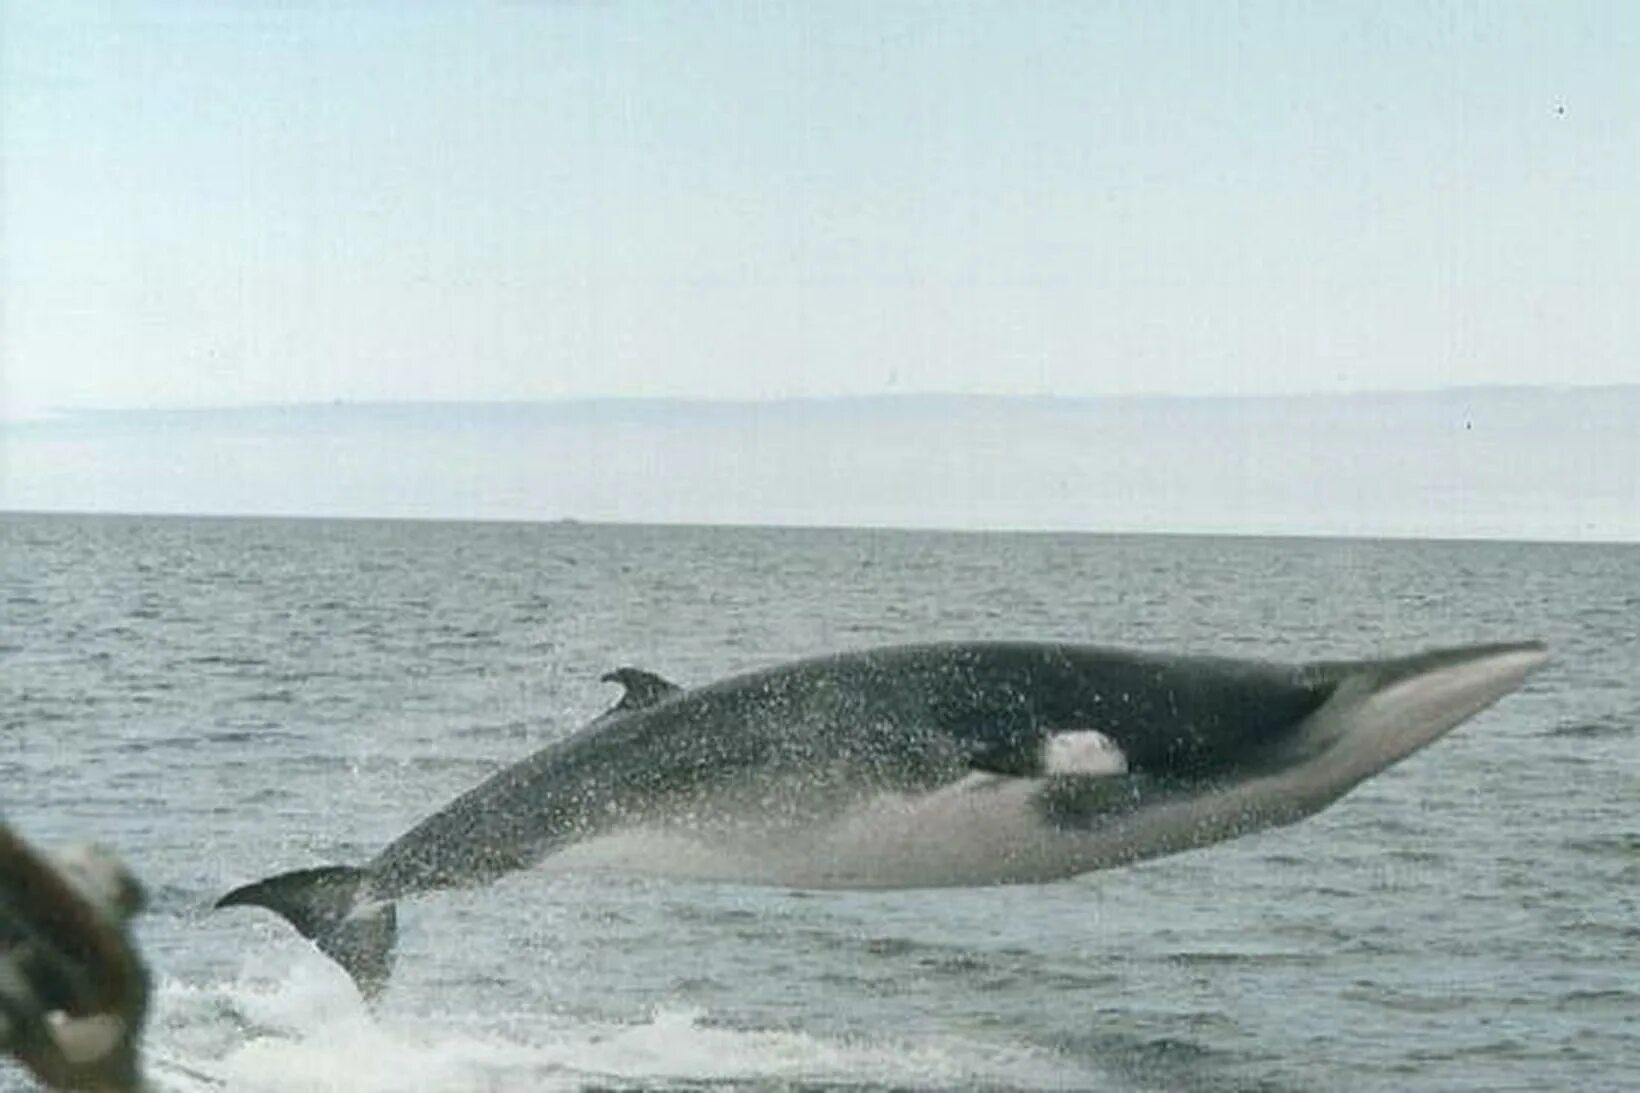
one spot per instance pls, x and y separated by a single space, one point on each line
215 204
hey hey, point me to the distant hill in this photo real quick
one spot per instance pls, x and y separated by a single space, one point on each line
1507 462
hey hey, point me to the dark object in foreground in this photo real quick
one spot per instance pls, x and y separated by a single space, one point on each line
73 992
964 763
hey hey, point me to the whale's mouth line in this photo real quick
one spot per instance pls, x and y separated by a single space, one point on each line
1472 684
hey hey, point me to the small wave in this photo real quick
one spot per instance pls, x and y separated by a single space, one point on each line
255 731
225 660
1619 844
1617 996
891 946
281 695
515 729
1594 728
1214 958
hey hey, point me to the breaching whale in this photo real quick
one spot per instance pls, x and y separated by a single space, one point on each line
912 766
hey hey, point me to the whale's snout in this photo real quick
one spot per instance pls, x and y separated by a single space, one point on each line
1423 697
1380 712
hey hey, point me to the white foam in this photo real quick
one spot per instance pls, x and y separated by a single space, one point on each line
677 1045
300 1034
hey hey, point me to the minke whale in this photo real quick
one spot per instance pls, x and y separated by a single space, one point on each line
914 766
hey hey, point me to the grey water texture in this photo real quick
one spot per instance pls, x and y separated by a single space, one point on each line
220 699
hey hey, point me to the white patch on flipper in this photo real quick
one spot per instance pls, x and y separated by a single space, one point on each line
1082 751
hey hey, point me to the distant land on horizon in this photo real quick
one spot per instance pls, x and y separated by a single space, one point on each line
1506 462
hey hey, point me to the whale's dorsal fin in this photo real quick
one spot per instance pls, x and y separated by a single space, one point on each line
643 689
1067 751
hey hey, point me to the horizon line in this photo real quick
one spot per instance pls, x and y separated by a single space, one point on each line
897 529
58 413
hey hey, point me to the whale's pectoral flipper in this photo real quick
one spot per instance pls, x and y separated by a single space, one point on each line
1008 757
1083 775
324 905
1066 752
643 689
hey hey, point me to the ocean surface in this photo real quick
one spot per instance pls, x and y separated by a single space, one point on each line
222 699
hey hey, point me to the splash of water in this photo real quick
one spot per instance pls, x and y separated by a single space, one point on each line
304 1028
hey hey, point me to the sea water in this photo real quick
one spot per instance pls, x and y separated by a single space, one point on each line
219 700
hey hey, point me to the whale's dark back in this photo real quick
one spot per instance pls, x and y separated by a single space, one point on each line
901 708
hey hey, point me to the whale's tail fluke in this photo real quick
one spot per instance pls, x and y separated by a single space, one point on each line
326 905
